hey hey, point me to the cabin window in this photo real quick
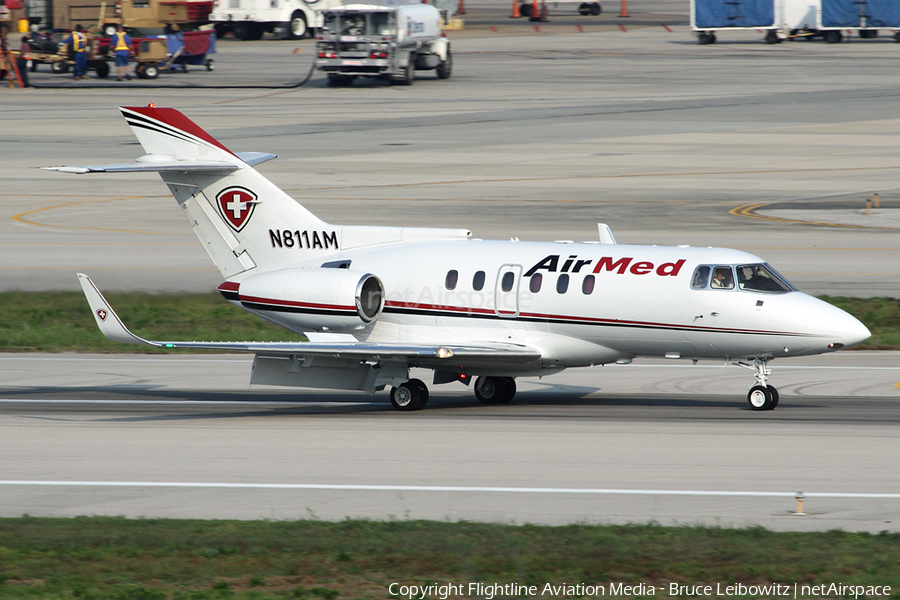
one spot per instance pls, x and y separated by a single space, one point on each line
562 284
722 279
452 279
587 286
478 281
506 284
701 278
761 278
535 284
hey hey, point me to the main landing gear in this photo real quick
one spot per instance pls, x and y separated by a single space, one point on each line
761 396
495 390
413 395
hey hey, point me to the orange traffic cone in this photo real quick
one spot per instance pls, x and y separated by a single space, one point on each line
515 13
624 11
535 11
462 8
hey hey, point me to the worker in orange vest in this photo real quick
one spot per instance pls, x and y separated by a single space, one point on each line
79 41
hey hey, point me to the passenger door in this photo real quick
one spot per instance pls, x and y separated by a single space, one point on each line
506 292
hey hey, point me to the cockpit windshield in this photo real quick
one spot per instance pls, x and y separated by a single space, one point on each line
761 278
751 278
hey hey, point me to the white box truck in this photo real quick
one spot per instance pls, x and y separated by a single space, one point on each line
366 40
250 19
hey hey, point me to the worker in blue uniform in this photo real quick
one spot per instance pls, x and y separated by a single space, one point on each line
79 41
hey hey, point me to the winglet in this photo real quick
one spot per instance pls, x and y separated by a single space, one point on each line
107 320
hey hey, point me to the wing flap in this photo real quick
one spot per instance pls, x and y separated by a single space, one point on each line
431 354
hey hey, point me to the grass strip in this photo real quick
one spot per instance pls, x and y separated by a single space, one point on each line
152 559
62 322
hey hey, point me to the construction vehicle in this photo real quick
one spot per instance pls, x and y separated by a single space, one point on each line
366 40
152 15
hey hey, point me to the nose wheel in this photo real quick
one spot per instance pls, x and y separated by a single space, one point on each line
761 396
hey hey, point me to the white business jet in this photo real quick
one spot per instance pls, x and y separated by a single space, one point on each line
376 301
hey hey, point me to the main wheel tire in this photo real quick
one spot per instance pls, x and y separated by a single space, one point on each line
584 9
297 27
596 9
409 396
59 67
151 72
495 390
102 70
210 64
833 37
525 10
109 29
705 38
510 392
760 398
446 67
772 38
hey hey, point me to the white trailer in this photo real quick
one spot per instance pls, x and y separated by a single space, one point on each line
794 19
367 40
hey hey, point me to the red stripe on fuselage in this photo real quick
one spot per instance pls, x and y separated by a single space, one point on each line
461 311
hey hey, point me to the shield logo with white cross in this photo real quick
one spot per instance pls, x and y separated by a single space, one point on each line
101 314
236 205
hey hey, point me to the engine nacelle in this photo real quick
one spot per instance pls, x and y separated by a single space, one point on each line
311 299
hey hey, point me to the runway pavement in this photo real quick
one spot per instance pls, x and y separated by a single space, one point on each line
538 135
185 437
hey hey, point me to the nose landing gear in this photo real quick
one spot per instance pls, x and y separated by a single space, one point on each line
761 396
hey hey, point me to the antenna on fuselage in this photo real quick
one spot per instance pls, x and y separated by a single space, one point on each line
606 236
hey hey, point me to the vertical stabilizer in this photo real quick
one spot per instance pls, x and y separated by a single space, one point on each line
243 220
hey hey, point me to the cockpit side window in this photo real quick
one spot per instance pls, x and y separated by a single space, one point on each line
761 278
701 278
723 279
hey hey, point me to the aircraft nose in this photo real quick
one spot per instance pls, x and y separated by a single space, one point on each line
836 328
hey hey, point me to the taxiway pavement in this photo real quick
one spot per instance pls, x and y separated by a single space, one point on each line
183 436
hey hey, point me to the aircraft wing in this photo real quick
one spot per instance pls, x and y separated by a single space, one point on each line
422 354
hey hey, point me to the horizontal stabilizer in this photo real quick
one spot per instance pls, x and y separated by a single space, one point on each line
112 327
255 158
155 166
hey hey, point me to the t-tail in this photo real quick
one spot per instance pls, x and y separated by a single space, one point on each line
244 221
233 209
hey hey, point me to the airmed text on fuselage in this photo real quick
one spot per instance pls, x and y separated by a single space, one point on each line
625 264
